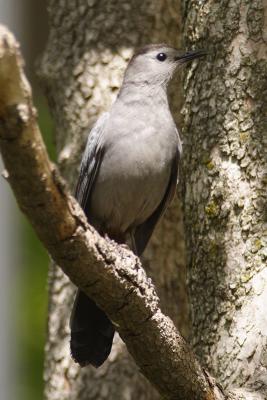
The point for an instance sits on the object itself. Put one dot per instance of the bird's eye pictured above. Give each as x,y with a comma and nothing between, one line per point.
161,56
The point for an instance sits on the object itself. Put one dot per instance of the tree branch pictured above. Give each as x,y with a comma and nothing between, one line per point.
107,272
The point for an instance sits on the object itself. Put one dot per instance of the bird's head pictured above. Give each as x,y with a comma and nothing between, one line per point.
155,64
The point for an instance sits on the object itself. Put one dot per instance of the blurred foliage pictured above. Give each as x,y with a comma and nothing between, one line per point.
32,292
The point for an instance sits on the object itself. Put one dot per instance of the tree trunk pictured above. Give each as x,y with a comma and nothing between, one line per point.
88,48
224,179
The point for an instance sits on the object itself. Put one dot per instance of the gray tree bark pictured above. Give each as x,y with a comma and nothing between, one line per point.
89,45
224,179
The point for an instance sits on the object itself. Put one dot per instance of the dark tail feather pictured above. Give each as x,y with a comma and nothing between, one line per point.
91,332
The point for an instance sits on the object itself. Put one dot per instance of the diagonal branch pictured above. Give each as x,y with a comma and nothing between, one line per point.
107,272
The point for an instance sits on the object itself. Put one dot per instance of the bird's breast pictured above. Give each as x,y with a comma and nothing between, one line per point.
133,177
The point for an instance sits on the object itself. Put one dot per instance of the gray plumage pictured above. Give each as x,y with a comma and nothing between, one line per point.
128,175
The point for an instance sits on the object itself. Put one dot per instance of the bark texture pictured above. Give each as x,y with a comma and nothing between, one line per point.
225,176
107,272
89,45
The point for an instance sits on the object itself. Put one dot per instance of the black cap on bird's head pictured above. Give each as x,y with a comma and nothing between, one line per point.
156,63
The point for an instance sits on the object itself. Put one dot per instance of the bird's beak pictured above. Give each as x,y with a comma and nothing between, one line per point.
190,55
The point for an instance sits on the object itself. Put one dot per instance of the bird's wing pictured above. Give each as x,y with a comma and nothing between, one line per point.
91,161
144,231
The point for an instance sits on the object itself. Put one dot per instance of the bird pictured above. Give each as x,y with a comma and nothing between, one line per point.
128,177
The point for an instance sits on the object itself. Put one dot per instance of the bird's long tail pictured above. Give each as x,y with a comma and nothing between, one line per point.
91,332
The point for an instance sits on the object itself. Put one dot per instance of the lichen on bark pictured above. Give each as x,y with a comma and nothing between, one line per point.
225,164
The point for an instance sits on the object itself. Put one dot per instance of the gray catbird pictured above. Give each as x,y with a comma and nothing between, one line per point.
128,177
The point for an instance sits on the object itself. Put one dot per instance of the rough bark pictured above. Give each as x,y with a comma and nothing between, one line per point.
225,166
109,273
89,45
